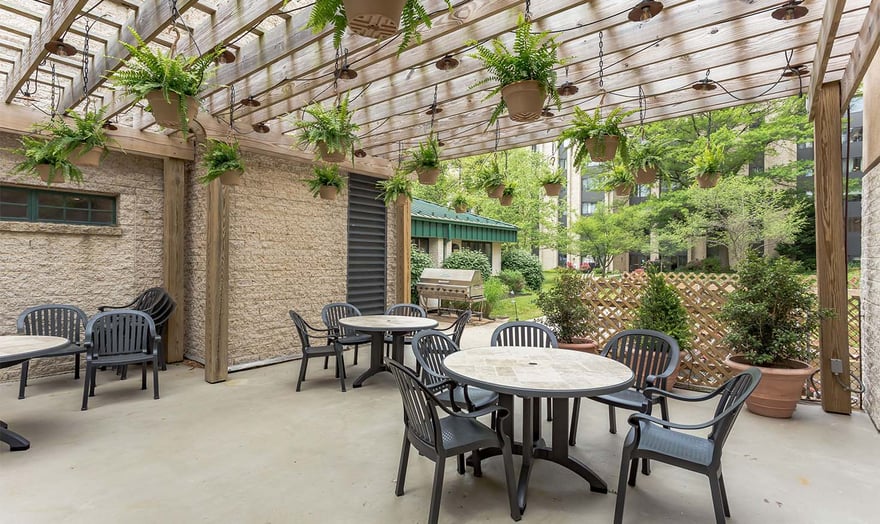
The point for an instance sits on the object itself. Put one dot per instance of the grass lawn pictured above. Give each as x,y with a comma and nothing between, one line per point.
525,307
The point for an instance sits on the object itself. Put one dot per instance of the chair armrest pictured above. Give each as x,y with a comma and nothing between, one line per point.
650,392
502,412
127,306
635,418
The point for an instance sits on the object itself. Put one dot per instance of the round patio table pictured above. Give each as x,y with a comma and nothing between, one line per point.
13,350
532,373
377,326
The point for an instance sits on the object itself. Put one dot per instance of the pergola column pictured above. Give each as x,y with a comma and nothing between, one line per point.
173,248
217,285
404,238
831,248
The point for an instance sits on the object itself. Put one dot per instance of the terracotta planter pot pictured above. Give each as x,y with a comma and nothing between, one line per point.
646,176
505,200
44,169
525,100
603,148
780,388
328,192
495,191
623,190
334,158
231,177
581,344
90,158
708,180
428,177
461,209
373,18
553,190
165,112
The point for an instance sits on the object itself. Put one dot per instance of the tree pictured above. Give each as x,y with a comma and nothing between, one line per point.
608,233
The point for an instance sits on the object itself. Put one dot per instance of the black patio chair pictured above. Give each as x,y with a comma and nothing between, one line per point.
52,320
155,302
121,338
455,330
330,315
528,334
306,332
440,438
653,356
656,439
406,310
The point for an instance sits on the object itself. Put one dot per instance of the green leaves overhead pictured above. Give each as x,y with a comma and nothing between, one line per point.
220,157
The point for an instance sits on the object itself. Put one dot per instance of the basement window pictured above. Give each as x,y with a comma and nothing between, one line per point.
61,207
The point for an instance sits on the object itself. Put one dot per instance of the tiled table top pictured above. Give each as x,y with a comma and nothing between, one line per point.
388,323
19,347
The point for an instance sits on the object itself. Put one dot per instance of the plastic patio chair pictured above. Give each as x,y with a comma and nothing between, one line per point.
440,438
656,439
456,329
330,315
54,320
306,332
155,302
406,310
528,334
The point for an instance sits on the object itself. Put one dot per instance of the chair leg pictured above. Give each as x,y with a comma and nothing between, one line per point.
22,382
612,420
401,468
549,411
717,498
302,371
155,380
633,471
76,367
723,494
621,488
94,382
340,367
86,385
326,362
437,491
461,469
356,346
143,376
575,413
646,467
664,410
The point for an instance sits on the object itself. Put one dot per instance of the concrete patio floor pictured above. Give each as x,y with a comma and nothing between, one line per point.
252,450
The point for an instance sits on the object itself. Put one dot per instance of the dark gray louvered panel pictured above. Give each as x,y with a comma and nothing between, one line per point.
367,230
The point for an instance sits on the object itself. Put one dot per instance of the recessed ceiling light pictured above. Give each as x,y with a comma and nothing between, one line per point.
60,48
644,11
790,11
446,63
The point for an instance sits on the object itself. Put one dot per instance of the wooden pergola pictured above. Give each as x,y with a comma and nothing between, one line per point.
735,44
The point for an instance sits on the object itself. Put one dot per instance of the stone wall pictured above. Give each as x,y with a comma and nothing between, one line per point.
86,266
870,291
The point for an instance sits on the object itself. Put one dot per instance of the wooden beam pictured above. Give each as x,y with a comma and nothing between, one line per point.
173,243
863,52
824,44
217,285
404,249
831,248
61,14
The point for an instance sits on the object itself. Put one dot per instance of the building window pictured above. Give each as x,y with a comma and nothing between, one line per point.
588,208
44,205
756,166
421,243
483,247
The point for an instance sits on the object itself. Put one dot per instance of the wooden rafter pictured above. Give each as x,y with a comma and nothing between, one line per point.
830,23
863,52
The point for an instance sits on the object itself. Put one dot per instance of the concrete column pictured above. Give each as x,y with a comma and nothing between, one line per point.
496,258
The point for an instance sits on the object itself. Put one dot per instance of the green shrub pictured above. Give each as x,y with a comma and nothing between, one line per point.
418,261
494,292
565,310
514,280
469,259
661,310
527,264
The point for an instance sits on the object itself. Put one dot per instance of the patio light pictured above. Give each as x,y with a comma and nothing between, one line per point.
644,11
447,63
360,153
567,89
791,11
546,113
250,102
110,126
226,57
434,109
795,70
705,85
261,127
60,47
346,73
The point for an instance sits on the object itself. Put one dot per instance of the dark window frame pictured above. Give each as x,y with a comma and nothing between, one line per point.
33,206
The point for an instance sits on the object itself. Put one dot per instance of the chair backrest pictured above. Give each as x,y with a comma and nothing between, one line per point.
157,303
301,329
53,320
530,334
407,310
120,332
419,406
734,393
431,347
331,313
457,327
644,351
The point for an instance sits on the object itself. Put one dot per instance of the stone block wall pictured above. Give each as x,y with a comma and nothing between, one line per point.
87,266
870,291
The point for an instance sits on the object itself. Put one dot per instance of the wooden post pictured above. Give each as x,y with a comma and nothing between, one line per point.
217,286
871,146
173,249
404,238
830,248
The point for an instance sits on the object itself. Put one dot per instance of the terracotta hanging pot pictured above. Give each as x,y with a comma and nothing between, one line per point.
165,112
44,171
524,100
780,388
373,18
495,191
506,200
708,180
623,190
461,208
552,190
646,176
328,192
90,158
334,157
231,177
602,148
428,177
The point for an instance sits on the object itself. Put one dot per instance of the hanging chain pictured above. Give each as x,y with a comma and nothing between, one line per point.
231,103
85,66
528,13
643,108
26,88
433,108
707,76
601,63
175,14
54,78
497,131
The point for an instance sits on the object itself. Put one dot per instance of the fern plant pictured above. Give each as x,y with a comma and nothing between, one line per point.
647,154
331,126
490,175
708,161
220,157
554,176
585,126
325,175
618,178
398,185
42,152
532,57
424,156
460,202
86,133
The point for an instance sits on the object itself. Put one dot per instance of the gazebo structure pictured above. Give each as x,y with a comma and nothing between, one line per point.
238,258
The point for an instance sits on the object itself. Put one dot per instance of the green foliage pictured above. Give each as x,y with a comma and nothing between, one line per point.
425,156
525,263
773,313
39,151
606,234
490,174
325,175
418,261
707,265
709,160
532,57
150,69
494,291
555,176
220,157
459,200
469,259
617,175
648,154
661,309
87,131
802,246
330,125
584,126
399,184
514,280
510,188
564,307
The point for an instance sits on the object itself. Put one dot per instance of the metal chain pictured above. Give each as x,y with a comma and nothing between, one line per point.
54,78
85,65
643,108
497,130
528,13
601,63
231,103
433,108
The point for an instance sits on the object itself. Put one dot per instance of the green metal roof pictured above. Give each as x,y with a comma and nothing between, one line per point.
430,220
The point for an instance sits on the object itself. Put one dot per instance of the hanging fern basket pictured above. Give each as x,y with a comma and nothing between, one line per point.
623,190
708,180
524,100
231,177
553,190
166,111
328,192
495,191
46,175
91,158
461,208
646,176
428,177
334,157
602,148
373,18
506,200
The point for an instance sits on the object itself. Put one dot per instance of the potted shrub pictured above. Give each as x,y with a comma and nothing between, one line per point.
524,74
396,189
326,182
566,312
222,160
771,318
491,179
553,182
46,158
618,178
330,131
460,203
706,166
425,160
508,194
645,157
596,138
168,83
85,142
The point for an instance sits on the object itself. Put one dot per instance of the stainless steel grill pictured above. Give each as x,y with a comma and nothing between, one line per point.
457,285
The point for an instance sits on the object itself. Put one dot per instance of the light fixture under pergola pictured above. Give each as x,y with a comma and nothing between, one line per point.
60,47
790,11
644,11
261,127
447,63
226,57
795,70
250,102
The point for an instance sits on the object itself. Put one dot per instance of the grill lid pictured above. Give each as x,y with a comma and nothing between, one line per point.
451,277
